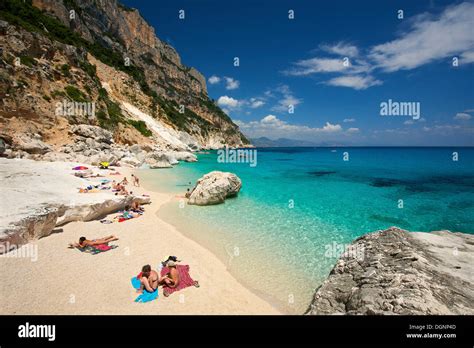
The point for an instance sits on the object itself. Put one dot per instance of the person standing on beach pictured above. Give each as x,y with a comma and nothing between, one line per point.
136,180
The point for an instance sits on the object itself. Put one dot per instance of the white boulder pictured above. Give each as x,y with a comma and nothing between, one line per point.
214,188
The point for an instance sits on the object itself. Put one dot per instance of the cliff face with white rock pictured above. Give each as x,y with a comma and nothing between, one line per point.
97,63
39,196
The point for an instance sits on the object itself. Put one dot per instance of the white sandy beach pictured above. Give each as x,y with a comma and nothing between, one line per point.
66,281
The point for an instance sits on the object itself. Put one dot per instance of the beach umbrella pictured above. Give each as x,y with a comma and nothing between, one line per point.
104,164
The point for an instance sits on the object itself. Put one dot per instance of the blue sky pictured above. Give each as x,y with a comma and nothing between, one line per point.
334,63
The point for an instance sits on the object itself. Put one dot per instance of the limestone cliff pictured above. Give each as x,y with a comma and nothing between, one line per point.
102,53
400,272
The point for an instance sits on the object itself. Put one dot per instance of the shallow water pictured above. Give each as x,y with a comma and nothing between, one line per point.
299,206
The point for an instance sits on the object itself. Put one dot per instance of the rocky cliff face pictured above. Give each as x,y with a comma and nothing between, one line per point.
102,54
400,272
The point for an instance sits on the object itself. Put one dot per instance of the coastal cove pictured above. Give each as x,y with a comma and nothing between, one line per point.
57,280
294,215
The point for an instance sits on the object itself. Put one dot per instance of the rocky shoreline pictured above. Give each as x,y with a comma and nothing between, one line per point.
92,145
399,272
43,196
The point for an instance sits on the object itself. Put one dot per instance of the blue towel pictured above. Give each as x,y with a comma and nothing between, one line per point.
145,296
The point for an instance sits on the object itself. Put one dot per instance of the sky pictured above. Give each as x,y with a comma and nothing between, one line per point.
339,72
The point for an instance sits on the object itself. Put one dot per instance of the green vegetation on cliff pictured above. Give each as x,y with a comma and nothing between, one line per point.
23,14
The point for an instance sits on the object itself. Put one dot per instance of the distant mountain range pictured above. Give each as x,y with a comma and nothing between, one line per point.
283,142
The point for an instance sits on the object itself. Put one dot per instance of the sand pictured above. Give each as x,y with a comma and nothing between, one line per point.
58,280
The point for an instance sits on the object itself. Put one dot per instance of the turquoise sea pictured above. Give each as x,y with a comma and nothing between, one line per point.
299,206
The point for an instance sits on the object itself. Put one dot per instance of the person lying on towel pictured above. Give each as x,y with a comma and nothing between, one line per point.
136,207
149,279
170,279
83,242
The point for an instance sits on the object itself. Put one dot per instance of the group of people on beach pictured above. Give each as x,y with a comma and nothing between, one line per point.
120,187
150,279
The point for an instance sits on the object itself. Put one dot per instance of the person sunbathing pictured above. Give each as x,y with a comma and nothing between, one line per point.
123,191
149,279
124,181
170,279
136,207
116,186
83,242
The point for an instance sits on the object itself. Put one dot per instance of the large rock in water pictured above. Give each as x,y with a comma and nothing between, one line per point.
214,188
400,272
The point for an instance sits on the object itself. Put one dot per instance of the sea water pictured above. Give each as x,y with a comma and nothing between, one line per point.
299,207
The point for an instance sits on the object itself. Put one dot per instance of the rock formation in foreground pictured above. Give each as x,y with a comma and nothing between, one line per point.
214,188
400,272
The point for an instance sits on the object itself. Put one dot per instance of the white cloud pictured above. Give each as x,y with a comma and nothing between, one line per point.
273,127
347,120
408,122
286,98
316,65
354,81
214,79
231,83
467,57
429,39
228,102
462,116
342,49
256,103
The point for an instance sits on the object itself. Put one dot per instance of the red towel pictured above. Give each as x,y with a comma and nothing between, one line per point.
102,247
185,279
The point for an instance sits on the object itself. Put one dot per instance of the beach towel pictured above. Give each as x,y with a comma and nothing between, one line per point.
97,249
80,168
127,216
185,279
145,296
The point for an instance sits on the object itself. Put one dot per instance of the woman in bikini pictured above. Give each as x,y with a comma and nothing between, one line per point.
83,242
